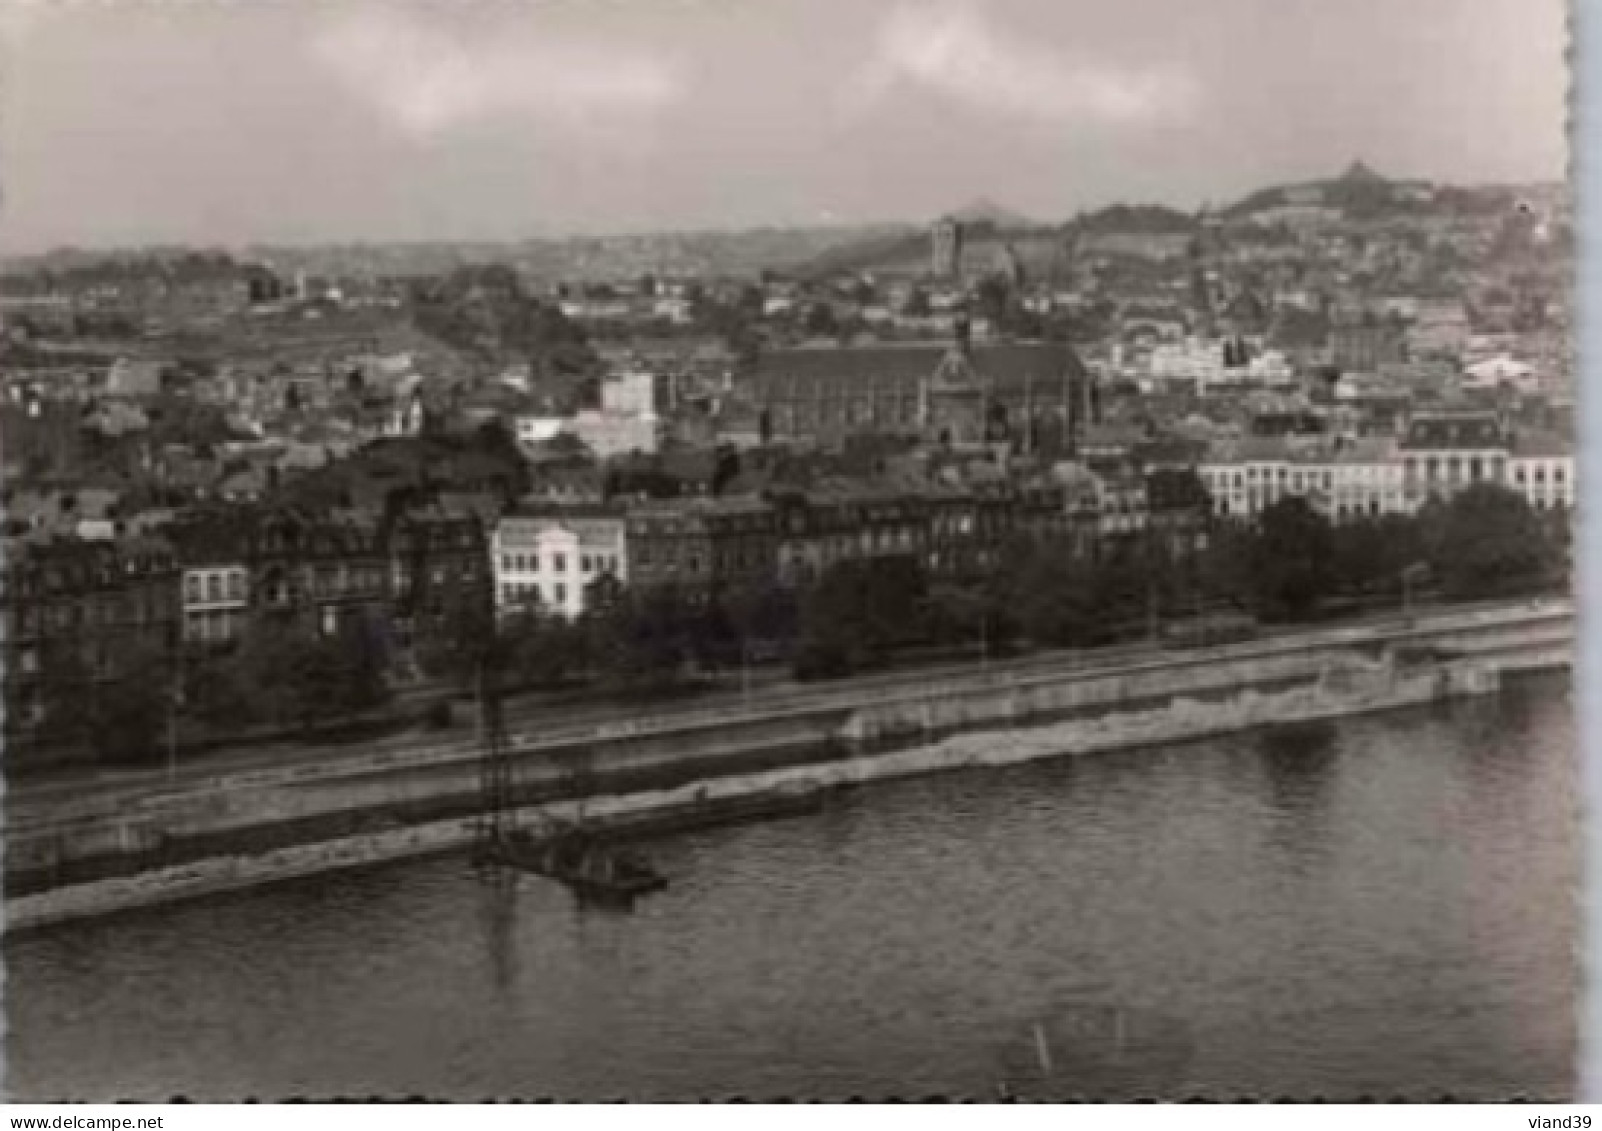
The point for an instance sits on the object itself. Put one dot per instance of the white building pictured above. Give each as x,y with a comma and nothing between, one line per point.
1540,467
1367,481
215,602
633,394
1200,362
1194,360
537,429
1354,479
1443,453
613,434
551,562
1495,372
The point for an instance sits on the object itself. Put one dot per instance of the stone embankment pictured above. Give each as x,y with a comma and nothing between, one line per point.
171,844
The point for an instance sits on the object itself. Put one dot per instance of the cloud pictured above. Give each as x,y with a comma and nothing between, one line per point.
20,18
425,81
957,53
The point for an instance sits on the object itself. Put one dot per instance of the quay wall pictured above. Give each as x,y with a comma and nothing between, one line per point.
184,828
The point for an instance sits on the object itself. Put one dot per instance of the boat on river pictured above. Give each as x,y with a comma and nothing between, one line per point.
585,864
568,853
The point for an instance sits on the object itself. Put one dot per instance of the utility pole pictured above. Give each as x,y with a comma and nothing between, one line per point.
172,735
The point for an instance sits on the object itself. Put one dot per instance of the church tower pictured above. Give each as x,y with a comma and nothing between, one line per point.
945,259
957,404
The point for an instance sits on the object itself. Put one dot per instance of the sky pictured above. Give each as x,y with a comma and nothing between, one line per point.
226,122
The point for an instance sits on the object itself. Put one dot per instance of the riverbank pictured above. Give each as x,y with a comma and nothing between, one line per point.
909,737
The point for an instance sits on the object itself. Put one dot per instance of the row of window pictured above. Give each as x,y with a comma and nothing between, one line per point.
1537,474
527,593
213,625
530,563
1353,509
214,586
31,618
1457,467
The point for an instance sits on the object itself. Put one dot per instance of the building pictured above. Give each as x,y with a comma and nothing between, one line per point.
820,528
215,601
76,616
945,238
1250,475
1540,467
557,560
315,569
823,394
133,377
436,566
1363,341
638,394
701,545
1440,328
1442,453
1501,371
1367,480
609,434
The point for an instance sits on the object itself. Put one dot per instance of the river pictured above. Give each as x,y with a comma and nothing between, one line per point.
1381,907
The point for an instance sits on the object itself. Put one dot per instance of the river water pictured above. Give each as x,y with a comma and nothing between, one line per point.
1382,907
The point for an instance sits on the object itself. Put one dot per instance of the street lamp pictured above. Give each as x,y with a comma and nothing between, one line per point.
175,700
1411,574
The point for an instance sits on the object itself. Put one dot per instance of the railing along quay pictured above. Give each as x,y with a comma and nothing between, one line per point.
406,754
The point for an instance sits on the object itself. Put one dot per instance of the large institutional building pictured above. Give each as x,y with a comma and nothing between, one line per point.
953,395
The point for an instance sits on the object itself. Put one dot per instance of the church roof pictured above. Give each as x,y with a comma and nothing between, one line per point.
1006,365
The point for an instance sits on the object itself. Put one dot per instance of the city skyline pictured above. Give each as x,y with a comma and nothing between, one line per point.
308,124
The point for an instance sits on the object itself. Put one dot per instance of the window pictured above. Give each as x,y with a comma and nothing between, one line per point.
506,563
1557,473
192,585
236,585
586,564
508,593
1540,473
559,563
561,593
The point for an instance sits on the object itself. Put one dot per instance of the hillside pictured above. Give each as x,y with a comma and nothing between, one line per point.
1142,219
1357,193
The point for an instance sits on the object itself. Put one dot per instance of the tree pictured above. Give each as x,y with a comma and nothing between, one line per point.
858,613
994,299
643,642
971,615
1292,559
821,322
544,650
1486,542
120,719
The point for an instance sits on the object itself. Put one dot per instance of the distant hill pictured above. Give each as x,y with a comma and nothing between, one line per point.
1358,192
1142,219
987,212
897,250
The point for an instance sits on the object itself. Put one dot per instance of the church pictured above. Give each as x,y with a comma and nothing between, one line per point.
958,394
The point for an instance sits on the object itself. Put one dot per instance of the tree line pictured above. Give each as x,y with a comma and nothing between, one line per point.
1290,565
